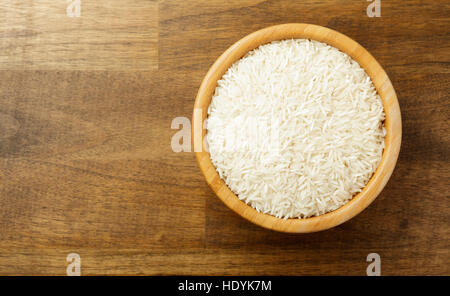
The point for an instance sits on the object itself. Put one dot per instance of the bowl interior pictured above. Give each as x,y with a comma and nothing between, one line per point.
392,125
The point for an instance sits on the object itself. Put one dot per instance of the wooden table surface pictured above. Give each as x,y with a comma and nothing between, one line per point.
86,164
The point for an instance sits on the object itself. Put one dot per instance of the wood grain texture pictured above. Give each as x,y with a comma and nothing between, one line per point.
108,35
86,164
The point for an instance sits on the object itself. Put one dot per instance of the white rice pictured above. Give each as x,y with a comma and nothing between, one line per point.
295,128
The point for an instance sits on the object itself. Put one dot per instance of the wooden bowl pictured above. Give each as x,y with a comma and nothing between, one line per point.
393,126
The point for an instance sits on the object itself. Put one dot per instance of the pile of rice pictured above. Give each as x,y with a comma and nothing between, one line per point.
295,128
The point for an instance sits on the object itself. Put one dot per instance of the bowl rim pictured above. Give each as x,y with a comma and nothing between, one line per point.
392,124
